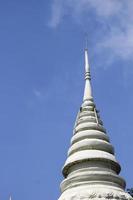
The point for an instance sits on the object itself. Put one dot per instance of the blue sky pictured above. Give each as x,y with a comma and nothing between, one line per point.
42,82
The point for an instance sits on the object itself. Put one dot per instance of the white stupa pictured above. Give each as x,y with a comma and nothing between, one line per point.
91,170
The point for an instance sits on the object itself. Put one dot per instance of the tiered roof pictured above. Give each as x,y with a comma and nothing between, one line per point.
91,169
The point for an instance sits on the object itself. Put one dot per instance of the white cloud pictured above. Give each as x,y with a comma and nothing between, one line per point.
105,8
115,14
119,42
60,8
57,13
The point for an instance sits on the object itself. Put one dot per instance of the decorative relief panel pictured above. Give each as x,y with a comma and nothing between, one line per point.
94,195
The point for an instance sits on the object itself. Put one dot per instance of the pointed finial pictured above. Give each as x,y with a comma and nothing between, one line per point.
87,91
10,198
87,67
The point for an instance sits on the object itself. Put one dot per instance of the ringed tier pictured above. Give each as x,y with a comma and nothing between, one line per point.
91,169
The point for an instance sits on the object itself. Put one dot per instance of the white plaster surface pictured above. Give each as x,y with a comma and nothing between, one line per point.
91,170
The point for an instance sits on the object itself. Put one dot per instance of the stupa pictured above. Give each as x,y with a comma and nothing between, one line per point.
91,170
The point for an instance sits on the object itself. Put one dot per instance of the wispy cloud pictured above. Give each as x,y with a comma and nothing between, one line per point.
115,14
61,8
37,93
57,13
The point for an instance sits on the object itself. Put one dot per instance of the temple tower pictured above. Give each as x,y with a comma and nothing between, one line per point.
91,170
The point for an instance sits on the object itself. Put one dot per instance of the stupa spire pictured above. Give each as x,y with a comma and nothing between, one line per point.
91,170
87,90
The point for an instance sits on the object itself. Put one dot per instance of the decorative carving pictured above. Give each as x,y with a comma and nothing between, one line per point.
123,197
99,196
93,195
109,196
116,197
96,195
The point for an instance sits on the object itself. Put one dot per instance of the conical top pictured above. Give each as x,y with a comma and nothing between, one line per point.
91,169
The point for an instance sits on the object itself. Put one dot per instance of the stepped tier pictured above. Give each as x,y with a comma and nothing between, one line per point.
91,170
91,158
